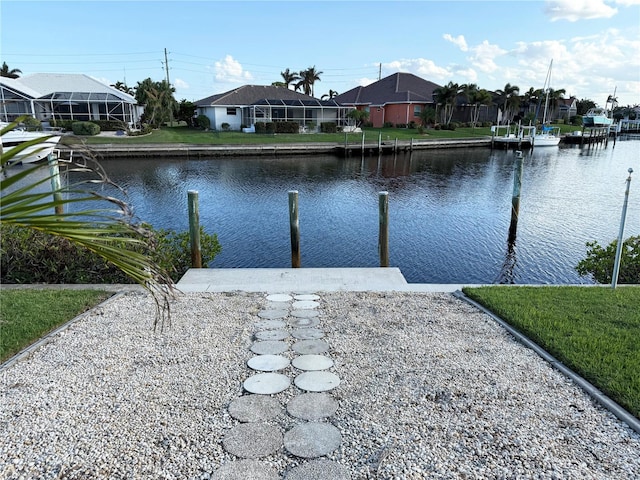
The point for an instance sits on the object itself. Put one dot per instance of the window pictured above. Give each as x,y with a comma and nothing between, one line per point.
417,109
231,111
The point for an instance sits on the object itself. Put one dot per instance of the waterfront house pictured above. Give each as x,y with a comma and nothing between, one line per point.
397,99
567,108
64,96
244,106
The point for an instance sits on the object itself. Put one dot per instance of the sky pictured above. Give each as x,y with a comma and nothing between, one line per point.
215,46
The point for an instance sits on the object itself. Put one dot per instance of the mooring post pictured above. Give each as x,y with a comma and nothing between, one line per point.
363,143
194,229
411,145
395,146
616,263
383,237
56,186
294,226
380,142
345,141
515,198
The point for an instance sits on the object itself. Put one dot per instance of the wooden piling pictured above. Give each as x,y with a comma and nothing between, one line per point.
194,229
294,227
383,237
515,198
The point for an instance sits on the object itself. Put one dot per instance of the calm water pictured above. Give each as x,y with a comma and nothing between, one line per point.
449,210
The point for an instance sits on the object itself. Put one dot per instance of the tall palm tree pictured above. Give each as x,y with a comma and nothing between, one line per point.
554,101
509,100
105,231
288,77
330,95
123,88
5,72
479,98
446,97
308,78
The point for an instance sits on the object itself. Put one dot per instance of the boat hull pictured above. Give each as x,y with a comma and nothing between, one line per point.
31,154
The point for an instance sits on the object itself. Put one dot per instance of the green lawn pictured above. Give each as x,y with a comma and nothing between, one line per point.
28,314
200,137
595,331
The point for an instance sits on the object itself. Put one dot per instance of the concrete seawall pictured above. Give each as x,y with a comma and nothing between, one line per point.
122,150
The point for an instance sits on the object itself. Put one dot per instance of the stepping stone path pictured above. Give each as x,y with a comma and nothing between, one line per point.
290,326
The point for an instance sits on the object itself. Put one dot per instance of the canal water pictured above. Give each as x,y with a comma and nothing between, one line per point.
449,210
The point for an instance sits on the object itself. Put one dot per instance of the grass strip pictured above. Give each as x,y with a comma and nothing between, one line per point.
592,330
26,315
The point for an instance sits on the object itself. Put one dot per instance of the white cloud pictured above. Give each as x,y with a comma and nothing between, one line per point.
363,82
419,66
459,41
181,84
574,10
484,56
231,71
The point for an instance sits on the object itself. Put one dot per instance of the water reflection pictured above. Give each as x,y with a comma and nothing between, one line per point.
449,210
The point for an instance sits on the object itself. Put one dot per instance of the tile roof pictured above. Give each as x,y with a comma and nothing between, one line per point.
252,94
397,88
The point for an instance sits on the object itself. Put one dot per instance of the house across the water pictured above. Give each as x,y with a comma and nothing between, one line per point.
63,96
245,106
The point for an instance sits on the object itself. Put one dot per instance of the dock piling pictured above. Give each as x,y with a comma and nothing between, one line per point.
294,227
383,238
194,229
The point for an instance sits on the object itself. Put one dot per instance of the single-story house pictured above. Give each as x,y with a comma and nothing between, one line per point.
242,107
567,108
64,96
397,99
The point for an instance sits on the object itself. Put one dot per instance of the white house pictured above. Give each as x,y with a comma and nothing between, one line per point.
246,105
65,96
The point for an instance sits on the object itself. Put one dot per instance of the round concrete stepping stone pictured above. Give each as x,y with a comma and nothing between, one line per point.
254,408
279,297
270,324
304,322
307,333
310,347
269,347
245,470
272,314
268,363
311,440
312,406
272,335
312,362
307,297
252,440
317,381
319,468
305,305
267,383
304,313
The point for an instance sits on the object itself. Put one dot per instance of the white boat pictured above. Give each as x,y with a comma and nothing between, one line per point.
548,136
31,154
596,117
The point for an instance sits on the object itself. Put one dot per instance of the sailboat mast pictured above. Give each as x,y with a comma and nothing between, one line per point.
547,84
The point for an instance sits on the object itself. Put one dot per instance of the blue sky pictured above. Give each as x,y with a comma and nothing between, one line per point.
214,46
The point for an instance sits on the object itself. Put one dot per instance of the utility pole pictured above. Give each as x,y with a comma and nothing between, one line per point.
166,67
379,71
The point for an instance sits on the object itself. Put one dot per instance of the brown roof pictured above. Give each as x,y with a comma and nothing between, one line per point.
396,88
250,94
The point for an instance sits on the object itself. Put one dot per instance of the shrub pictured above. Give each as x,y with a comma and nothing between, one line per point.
329,127
599,261
412,124
145,130
30,256
387,125
261,127
286,127
203,122
225,126
32,123
85,128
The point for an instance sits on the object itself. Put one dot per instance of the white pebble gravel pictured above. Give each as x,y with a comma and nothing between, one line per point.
429,388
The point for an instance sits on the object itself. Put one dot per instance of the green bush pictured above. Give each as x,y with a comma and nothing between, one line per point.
387,125
286,127
30,256
203,122
32,123
599,261
328,127
85,128
110,125
225,126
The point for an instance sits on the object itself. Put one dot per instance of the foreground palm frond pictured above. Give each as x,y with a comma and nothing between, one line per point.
107,230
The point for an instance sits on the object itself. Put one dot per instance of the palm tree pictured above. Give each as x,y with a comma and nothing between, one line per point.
105,231
509,100
330,95
446,96
478,99
289,77
307,79
158,100
5,72
554,101
123,88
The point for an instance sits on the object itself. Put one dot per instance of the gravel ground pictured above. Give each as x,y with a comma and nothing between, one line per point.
430,388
